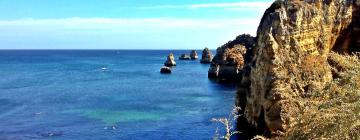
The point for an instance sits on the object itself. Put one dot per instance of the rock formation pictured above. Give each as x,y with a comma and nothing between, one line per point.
230,58
165,69
294,39
206,56
184,57
170,60
194,55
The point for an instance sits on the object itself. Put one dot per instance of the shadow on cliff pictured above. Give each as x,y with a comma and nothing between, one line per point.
349,40
247,130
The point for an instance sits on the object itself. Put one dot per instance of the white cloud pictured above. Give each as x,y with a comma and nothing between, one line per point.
238,4
254,4
129,24
154,33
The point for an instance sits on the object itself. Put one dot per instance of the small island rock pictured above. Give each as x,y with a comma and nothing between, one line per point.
194,55
184,57
170,61
165,69
206,56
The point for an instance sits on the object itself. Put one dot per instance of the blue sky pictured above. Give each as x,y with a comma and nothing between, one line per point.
126,24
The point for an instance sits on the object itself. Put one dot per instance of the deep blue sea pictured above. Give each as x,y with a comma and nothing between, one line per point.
107,94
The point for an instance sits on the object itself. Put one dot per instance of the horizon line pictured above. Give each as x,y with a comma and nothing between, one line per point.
96,49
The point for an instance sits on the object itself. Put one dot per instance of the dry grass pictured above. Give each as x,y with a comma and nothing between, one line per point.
310,67
259,138
228,125
332,113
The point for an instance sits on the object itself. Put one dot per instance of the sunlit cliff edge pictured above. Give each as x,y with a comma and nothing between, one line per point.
302,76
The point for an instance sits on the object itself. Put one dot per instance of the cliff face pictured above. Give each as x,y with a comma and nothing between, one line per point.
230,58
294,39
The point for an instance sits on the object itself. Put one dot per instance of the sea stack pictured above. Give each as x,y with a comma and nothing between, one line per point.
206,56
194,55
170,61
184,57
165,69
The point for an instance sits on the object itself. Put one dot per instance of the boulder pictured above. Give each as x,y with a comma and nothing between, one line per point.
184,57
194,55
170,60
206,56
165,69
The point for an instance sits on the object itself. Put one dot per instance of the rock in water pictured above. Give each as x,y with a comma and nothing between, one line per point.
294,39
230,59
165,69
184,57
170,61
206,56
194,55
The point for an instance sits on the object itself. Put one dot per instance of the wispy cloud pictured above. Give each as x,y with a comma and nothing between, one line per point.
130,24
154,33
254,4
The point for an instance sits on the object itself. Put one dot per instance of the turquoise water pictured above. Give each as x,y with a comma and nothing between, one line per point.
107,94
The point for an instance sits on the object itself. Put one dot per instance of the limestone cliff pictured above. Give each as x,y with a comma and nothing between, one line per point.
294,39
230,59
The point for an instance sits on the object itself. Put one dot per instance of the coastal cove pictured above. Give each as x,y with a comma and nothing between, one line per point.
297,77
108,94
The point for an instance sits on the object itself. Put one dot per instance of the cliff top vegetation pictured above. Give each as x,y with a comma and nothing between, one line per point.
334,112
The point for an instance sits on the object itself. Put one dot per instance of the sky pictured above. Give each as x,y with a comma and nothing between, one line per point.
126,24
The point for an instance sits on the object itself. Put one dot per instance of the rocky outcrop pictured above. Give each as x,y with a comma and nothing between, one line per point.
206,56
170,60
165,70
194,55
184,57
230,58
294,39
228,63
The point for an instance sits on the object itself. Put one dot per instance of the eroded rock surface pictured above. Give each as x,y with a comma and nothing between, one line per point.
230,58
294,39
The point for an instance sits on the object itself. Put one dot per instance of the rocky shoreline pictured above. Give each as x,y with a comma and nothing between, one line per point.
294,55
300,51
288,62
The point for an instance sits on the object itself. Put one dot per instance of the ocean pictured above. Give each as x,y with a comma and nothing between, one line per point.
107,94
